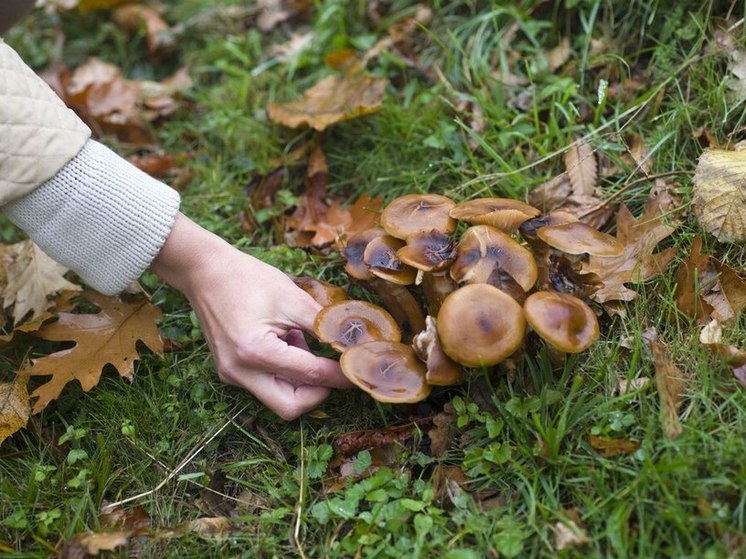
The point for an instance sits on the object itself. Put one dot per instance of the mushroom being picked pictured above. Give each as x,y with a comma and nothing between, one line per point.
578,238
504,213
388,371
381,257
414,213
354,250
441,369
562,320
479,325
324,293
348,323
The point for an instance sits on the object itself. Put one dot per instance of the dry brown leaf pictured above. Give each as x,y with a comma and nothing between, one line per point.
443,431
557,56
32,277
670,381
334,99
719,196
638,262
551,194
640,154
568,534
581,167
157,32
612,447
15,408
107,337
91,543
274,12
735,358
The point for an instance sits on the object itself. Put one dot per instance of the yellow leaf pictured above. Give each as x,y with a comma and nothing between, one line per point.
719,196
14,407
581,166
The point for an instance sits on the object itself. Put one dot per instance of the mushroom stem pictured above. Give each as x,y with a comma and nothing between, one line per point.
400,303
437,286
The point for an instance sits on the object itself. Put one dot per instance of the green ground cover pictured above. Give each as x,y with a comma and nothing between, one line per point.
522,442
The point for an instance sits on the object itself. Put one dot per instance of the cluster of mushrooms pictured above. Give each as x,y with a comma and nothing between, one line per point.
481,293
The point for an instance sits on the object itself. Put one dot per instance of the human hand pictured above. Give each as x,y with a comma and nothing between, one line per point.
252,316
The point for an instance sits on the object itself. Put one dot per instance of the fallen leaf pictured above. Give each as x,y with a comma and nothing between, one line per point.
612,447
91,543
551,194
157,32
581,167
334,99
443,431
155,165
719,194
638,262
107,337
355,441
670,381
274,12
32,277
568,534
557,56
625,386
15,408
712,336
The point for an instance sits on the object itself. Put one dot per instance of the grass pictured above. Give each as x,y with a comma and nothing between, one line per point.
522,442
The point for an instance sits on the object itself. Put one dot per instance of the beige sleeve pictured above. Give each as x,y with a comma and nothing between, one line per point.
38,133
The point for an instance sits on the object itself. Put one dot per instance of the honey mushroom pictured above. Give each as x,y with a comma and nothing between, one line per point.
562,320
441,369
347,323
505,214
324,293
431,253
414,213
578,238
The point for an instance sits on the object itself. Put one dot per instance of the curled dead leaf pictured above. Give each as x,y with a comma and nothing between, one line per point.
670,381
719,196
15,407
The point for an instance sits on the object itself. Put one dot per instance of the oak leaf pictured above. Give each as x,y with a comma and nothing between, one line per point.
719,195
581,167
638,262
107,337
712,336
670,381
15,408
32,277
334,99
157,32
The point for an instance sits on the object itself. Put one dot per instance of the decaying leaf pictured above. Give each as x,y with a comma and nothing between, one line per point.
638,262
107,337
612,447
719,196
15,408
443,431
273,12
32,277
557,56
670,381
92,543
735,358
157,31
334,99
581,167
568,534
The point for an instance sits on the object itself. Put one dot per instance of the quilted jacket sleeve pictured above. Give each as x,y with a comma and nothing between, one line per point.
38,133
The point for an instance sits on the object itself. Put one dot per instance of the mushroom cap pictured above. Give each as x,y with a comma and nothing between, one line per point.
388,371
441,369
324,293
482,248
558,217
504,213
348,323
353,253
562,320
578,238
428,251
380,256
413,213
479,325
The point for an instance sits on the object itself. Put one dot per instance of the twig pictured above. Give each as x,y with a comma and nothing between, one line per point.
189,457
299,505
627,186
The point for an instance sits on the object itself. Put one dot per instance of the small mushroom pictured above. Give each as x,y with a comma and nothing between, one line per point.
348,323
562,320
483,248
414,213
353,253
388,371
441,369
324,293
431,253
578,238
479,325
381,257
504,213
529,228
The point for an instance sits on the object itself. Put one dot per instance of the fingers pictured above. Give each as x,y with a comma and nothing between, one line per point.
296,338
283,398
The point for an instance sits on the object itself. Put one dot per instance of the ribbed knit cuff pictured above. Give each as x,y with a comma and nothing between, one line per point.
100,216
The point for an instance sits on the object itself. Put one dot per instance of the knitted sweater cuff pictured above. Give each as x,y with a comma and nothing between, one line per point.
100,216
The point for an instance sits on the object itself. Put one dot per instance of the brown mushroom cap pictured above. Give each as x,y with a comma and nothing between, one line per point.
479,325
388,371
578,238
380,256
558,217
428,251
324,293
562,320
353,253
413,213
504,213
441,369
482,248
348,323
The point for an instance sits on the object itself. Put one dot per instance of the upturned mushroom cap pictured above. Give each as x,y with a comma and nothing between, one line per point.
482,248
413,213
428,251
324,293
504,213
348,323
353,253
562,320
441,369
380,256
388,371
479,325
579,238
